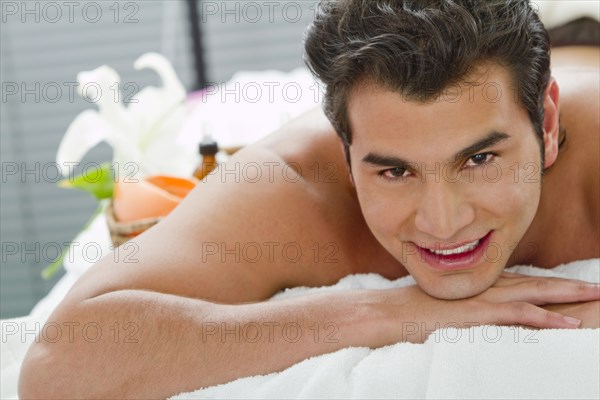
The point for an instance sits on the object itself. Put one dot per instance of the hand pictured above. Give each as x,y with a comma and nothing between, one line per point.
588,312
513,300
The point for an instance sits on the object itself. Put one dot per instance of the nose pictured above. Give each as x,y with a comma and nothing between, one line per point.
443,210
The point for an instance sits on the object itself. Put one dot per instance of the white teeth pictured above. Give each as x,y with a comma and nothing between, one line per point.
458,250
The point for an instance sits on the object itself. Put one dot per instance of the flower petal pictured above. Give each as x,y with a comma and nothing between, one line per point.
173,88
160,112
162,148
86,131
101,86
122,128
152,105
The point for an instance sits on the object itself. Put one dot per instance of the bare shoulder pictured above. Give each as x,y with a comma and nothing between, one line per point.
570,201
569,212
575,56
577,71
276,215
580,117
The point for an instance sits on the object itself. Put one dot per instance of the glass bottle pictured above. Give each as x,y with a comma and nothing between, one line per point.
208,149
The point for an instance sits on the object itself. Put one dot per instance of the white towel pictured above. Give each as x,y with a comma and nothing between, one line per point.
481,362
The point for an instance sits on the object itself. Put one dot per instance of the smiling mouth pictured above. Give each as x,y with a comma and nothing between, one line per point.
463,256
457,250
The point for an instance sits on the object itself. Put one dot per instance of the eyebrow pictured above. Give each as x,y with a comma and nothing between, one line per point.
488,140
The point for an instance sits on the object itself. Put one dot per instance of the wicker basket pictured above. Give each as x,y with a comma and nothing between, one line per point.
121,232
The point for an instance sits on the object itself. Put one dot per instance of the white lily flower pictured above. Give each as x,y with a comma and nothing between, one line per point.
142,133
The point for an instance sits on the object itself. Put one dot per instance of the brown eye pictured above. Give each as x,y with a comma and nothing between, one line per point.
479,159
394,173
397,172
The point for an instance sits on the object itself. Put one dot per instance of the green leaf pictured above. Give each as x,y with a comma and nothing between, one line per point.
98,181
53,268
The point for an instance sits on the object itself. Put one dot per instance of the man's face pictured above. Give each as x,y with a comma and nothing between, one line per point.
448,187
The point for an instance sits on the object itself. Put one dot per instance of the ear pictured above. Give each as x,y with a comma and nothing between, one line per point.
346,157
550,123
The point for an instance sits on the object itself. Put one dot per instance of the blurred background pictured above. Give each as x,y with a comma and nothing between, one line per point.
45,44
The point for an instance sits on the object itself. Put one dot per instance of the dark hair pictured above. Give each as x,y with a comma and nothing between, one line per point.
420,47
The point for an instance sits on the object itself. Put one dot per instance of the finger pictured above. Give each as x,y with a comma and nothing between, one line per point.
541,291
507,274
521,313
509,278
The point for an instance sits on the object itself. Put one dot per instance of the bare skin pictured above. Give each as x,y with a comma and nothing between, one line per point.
574,179
189,274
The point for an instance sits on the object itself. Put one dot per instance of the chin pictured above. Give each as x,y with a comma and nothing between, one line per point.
457,286
452,293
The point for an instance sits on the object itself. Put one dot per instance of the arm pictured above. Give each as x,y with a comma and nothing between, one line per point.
166,344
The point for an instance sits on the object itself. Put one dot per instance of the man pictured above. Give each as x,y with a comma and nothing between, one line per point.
448,168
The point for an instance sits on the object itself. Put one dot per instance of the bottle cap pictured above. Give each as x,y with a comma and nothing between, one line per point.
208,146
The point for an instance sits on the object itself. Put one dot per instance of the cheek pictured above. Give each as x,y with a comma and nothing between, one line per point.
377,211
384,211
509,193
